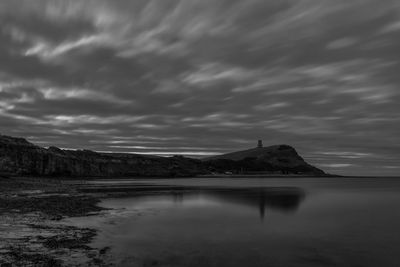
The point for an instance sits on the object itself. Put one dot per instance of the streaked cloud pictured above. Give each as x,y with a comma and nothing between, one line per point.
341,43
151,76
336,165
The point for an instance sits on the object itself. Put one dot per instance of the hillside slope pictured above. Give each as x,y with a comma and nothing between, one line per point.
274,159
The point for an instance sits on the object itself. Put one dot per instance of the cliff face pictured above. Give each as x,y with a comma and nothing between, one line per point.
282,159
19,157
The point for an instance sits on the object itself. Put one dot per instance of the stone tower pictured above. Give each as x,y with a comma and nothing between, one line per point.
260,144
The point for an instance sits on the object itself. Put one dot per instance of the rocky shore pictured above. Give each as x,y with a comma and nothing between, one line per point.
30,230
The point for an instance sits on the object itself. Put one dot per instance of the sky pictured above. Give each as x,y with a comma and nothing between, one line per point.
202,77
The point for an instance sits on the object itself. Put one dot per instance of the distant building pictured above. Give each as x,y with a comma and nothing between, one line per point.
260,144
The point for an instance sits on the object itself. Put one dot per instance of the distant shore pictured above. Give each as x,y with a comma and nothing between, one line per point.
264,176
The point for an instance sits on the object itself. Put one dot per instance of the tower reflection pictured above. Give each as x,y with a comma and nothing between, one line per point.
287,199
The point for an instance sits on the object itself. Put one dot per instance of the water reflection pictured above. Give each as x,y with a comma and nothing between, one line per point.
344,222
286,199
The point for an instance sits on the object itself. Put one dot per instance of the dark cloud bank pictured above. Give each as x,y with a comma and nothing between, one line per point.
200,77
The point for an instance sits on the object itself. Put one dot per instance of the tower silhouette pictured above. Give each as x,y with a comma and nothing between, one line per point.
260,144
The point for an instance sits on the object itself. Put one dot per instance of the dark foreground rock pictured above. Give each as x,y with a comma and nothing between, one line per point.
50,245
31,233
18,157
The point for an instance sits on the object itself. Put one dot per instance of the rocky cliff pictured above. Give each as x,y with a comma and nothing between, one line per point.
20,157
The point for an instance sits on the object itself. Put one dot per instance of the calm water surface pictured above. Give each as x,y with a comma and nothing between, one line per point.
254,222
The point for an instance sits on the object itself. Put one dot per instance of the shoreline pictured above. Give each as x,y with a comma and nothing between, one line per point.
30,230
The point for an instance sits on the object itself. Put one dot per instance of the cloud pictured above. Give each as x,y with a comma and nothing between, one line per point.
47,51
272,106
212,73
392,27
347,155
319,75
336,165
341,43
82,94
